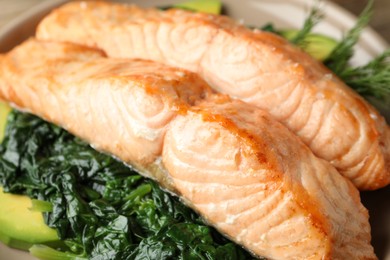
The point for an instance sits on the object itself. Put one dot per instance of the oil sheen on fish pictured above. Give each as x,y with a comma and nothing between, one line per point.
254,66
244,172
258,183
118,106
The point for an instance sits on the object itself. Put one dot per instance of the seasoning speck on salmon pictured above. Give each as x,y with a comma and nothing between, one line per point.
255,66
245,173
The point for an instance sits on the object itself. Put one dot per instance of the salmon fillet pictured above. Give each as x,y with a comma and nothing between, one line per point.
258,183
118,106
244,172
257,67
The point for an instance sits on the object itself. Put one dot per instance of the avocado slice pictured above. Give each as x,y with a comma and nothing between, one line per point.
20,227
205,6
4,111
317,45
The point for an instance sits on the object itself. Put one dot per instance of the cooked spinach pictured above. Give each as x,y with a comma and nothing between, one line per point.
101,208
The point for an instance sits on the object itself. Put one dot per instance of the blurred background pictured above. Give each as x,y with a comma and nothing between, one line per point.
380,21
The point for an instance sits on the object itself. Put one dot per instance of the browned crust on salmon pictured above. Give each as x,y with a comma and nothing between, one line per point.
257,67
244,172
284,166
57,86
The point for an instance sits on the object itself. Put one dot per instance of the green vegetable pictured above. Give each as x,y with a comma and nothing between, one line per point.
21,227
41,206
314,17
338,60
317,45
4,111
47,253
372,79
205,6
100,208
269,27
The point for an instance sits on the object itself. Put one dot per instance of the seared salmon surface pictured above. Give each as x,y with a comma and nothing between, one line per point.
255,66
118,106
244,172
258,183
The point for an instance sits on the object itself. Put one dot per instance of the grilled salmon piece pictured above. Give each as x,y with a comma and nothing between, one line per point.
258,183
246,174
257,67
119,106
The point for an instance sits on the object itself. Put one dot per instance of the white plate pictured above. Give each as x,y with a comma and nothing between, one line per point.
283,14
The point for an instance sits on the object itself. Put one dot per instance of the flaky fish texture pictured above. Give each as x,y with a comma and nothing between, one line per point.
118,106
257,67
259,184
244,172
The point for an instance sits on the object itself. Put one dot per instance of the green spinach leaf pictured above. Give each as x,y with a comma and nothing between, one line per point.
101,208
